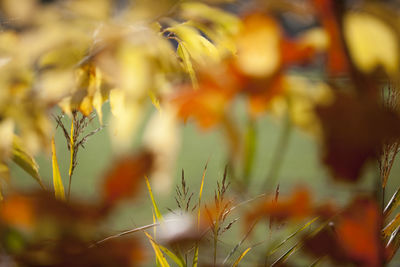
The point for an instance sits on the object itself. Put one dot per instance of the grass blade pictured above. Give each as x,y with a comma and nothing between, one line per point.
241,257
156,210
178,260
393,204
71,163
159,255
393,245
57,182
196,249
288,253
272,251
297,246
391,227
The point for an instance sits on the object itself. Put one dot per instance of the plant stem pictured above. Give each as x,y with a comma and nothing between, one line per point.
279,154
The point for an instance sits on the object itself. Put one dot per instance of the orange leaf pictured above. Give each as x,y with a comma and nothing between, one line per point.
297,206
18,211
123,179
358,232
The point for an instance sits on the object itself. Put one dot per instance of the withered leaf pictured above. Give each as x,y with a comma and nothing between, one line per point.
354,130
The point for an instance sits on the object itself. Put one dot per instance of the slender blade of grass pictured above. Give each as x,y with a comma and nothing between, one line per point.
393,245
156,210
241,257
391,227
393,204
196,249
178,260
272,251
57,182
71,161
159,255
297,246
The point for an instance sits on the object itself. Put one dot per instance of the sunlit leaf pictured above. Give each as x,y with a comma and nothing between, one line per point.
184,55
371,42
259,46
25,161
57,181
198,47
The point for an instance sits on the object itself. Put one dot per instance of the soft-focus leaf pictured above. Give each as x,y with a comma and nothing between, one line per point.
346,146
184,55
57,181
259,46
358,231
371,42
297,206
124,177
199,48
25,161
337,62
18,211
162,137
125,121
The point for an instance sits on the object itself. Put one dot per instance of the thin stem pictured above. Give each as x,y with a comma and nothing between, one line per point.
279,154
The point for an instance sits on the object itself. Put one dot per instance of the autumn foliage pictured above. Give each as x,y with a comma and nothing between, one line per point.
327,68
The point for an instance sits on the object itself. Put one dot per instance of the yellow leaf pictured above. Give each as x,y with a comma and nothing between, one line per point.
187,63
371,42
258,46
25,160
125,120
199,48
7,134
57,182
